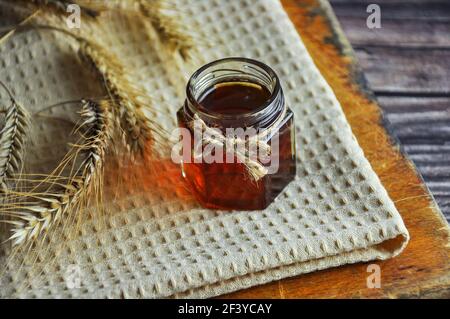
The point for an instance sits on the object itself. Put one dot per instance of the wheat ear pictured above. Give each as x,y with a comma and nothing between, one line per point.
38,212
133,103
12,139
61,6
166,20
164,17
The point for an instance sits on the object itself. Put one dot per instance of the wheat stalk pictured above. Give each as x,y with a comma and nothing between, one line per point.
133,103
37,212
163,15
61,6
168,23
12,139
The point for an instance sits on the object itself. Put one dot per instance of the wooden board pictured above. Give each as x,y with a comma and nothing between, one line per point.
407,65
423,269
420,24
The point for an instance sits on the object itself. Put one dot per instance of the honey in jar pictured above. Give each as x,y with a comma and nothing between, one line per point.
237,95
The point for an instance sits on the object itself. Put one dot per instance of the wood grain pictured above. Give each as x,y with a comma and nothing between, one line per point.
392,71
422,270
423,127
407,64
409,24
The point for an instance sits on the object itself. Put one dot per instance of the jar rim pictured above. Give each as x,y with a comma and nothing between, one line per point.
214,115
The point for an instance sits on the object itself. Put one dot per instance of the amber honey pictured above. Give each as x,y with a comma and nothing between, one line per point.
243,94
234,98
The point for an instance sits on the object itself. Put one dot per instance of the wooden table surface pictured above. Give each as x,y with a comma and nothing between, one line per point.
407,65
409,77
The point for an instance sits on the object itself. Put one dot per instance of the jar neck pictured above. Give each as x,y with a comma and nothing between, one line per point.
235,70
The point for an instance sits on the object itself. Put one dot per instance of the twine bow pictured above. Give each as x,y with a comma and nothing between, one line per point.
245,150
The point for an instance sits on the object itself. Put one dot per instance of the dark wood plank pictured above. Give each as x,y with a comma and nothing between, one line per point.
421,26
396,32
413,104
428,10
423,128
411,71
405,23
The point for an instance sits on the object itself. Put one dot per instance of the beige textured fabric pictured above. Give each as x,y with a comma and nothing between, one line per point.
162,244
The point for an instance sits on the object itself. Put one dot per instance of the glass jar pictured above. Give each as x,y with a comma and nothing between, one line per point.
237,105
